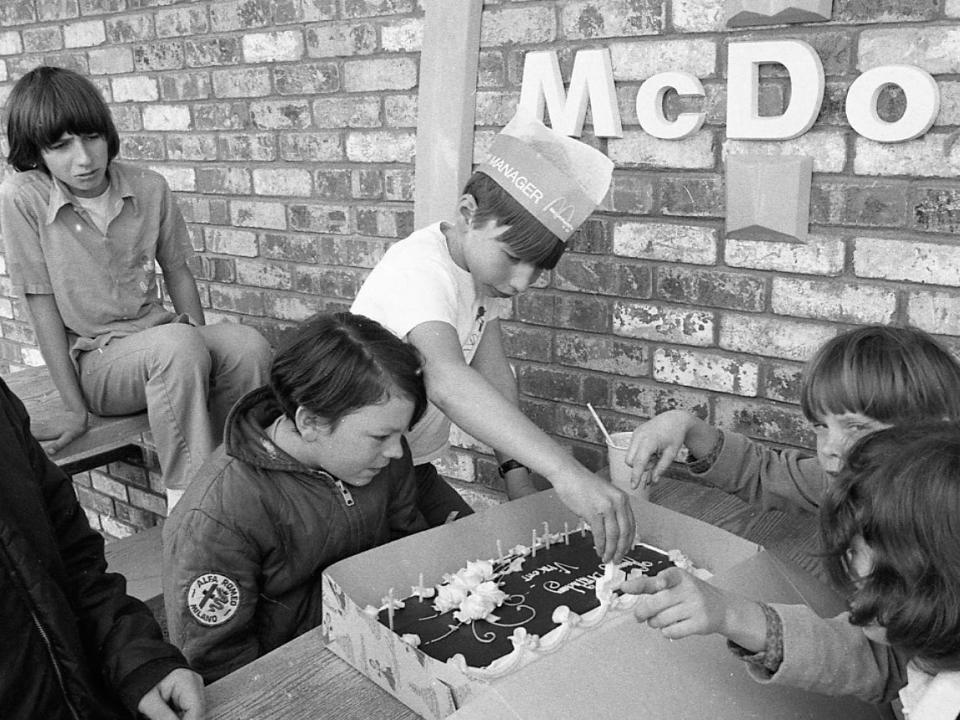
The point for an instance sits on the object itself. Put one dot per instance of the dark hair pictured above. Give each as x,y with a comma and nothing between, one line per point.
334,364
48,102
891,374
900,492
529,238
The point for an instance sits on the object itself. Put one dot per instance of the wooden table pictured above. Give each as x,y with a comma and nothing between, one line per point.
301,681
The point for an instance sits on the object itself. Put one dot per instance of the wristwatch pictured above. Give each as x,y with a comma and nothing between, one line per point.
509,465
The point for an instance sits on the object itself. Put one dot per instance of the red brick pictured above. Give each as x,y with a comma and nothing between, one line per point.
208,52
167,55
710,288
142,147
549,384
936,209
525,342
867,204
307,78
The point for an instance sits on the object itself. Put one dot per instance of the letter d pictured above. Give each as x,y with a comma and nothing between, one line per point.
743,88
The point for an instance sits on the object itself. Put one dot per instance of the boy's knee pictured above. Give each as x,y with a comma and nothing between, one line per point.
250,351
180,346
258,350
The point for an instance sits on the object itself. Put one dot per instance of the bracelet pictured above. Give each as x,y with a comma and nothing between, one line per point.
509,465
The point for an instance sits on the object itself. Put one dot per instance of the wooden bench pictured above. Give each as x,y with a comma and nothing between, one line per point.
106,439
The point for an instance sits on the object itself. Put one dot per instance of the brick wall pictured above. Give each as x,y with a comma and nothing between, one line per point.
287,130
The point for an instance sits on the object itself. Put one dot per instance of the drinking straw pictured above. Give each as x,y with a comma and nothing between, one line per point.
600,424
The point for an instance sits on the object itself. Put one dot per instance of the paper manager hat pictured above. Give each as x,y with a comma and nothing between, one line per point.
559,180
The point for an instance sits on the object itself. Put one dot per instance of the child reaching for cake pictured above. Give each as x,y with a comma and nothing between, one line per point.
313,468
444,289
891,537
859,381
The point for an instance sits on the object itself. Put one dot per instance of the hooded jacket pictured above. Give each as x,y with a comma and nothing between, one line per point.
73,644
245,547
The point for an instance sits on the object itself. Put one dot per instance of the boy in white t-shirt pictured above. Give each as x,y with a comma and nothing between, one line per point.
444,288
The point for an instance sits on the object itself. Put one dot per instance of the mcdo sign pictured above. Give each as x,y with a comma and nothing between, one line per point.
592,82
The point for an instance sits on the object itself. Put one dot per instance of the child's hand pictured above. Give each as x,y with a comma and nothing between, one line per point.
679,605
605,508
60,430
655,445
178,695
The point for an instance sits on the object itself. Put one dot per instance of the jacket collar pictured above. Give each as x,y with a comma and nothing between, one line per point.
246,435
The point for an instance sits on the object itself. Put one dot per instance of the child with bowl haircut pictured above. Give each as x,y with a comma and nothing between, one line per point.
891,538
444,289
860,381
313,468
83,233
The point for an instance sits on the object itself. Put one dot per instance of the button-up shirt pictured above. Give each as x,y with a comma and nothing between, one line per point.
104,284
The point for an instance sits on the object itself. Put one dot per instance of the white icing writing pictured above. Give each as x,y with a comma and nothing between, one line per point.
550,567
581,585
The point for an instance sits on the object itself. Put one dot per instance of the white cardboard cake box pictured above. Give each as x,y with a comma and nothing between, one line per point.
621,669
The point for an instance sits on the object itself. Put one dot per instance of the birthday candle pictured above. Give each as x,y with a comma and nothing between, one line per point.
533,543
546,535
583,528
499,550
566,533
390,609
420,589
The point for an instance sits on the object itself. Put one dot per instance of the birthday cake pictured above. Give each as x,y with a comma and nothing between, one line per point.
494,616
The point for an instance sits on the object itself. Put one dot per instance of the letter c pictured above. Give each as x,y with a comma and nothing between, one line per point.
650,105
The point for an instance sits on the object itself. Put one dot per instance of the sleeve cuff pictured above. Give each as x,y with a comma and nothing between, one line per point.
769,659
700,465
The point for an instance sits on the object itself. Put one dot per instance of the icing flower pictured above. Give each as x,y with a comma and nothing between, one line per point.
450,596
474,607
480,603
480,569
490,592
476,572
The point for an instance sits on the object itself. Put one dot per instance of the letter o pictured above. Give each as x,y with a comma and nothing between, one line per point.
923,103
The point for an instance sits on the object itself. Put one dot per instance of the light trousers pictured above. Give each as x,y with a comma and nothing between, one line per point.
186,377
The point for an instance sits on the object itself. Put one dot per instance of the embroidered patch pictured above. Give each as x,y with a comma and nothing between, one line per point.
213,599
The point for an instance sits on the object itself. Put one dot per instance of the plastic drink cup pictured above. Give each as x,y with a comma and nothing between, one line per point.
619,470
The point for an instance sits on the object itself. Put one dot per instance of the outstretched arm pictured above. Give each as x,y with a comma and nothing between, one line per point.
655,443
52,339
825,655
491,362
470,401
679,604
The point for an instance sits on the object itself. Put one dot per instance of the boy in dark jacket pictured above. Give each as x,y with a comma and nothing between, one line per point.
73,644
313,469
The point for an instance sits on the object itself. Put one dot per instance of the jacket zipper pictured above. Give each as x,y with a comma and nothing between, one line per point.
53,661
347,497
